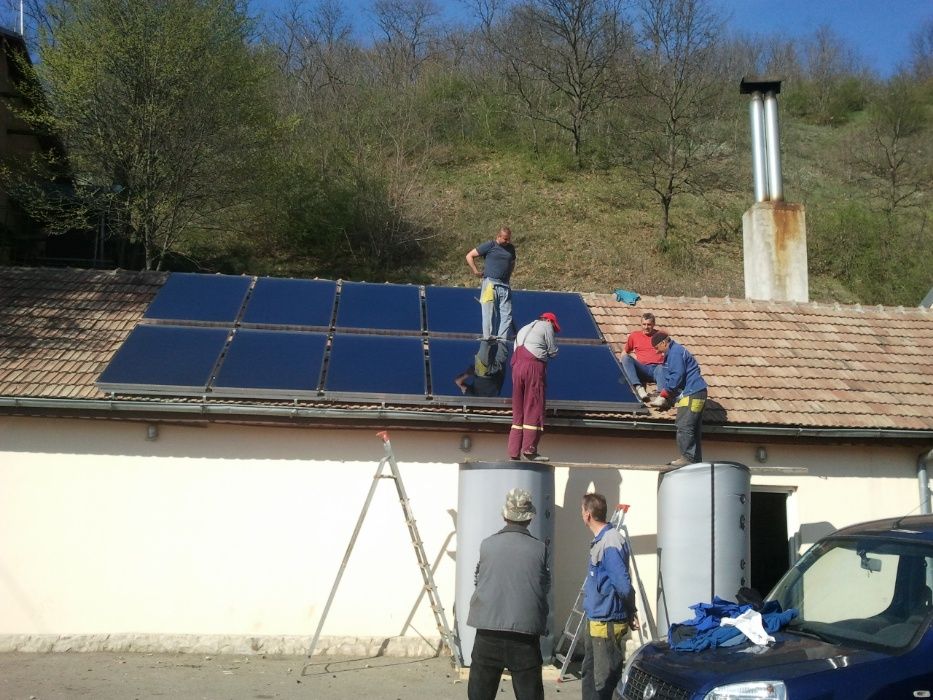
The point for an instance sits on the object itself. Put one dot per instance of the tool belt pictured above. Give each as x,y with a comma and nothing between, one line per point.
599,629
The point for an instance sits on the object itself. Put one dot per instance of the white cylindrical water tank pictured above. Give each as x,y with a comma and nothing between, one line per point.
703,542
482,490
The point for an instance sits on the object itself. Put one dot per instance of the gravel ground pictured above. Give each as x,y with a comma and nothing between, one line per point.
103,676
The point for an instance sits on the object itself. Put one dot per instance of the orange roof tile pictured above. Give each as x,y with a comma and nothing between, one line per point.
792,364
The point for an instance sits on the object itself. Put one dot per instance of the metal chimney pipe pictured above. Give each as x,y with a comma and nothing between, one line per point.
773,148
759,151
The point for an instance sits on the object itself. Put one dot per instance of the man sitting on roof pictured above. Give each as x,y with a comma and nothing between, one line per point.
646,364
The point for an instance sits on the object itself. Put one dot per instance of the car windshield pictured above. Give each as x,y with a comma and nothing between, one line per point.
864,592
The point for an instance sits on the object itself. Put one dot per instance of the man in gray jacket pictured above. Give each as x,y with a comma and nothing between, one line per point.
509,606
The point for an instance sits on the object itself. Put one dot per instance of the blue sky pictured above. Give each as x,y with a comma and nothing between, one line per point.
879,30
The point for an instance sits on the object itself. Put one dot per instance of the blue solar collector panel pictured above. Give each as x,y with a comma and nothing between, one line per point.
376,365
450,357
291,302
164,359
389,307
453,310
273,361
190,297
574,315
587,374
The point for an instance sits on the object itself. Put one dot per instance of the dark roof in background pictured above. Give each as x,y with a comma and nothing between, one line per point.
778,364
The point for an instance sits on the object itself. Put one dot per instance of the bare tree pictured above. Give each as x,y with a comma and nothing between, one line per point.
408,28
893,152
670,136
314,50
560,57
921,51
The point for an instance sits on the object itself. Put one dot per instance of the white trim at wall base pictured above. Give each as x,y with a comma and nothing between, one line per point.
362,647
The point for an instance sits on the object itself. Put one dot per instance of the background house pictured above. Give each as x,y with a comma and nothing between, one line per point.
196,523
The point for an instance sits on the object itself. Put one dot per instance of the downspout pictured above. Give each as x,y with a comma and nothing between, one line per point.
924,481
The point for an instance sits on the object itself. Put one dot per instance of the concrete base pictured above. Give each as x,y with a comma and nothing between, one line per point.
775,242
363,647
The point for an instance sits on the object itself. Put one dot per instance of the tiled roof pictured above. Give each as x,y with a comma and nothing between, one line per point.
792,364
59,328
767,363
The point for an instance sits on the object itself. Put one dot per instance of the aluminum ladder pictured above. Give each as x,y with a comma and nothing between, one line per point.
423,564
574,625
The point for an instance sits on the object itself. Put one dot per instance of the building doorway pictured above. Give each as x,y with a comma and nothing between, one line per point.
770,538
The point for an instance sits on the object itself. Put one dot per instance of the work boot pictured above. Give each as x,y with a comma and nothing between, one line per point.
682,462
641,393
535,457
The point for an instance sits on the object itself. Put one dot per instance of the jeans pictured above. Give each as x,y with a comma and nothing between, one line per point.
639,373
495,298
689,424
603,663
495,651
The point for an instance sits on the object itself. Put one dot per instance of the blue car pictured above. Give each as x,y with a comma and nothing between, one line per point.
864,629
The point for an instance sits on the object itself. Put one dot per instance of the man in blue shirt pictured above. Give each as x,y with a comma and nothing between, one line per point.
682,378
495,294
608,602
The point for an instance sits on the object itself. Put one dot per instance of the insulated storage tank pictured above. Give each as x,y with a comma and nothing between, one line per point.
703,543
482,490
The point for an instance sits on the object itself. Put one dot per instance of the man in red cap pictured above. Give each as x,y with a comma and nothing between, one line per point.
534,346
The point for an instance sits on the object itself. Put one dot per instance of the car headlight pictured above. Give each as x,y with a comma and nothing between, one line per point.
755,690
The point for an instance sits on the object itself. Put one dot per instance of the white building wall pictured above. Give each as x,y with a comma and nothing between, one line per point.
222,537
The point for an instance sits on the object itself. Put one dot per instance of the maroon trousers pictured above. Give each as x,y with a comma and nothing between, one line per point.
529,380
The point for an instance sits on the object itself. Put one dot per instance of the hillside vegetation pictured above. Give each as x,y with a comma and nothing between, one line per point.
610,135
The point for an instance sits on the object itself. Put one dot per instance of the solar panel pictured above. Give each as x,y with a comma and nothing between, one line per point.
574,316
453,310
273,361
200,298
587,374
164,359
391,307
449,358
376,365
290,302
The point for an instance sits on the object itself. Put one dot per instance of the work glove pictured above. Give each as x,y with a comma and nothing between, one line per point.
658,402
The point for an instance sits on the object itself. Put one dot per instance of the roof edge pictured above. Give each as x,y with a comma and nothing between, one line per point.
146,410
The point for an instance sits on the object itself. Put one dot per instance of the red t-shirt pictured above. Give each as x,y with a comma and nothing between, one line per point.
644,350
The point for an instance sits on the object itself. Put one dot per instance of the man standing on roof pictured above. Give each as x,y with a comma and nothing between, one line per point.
608,601
534,346
509,607
495,294
647,362
682,378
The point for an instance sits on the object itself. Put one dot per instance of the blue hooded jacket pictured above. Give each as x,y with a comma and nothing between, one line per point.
608,593
681,372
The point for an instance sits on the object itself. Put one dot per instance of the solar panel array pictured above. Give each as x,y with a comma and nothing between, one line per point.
272,338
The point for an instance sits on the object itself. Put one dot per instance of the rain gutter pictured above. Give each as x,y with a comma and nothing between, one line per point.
209,410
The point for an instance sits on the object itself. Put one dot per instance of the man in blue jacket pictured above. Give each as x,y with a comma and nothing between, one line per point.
608,602
682,379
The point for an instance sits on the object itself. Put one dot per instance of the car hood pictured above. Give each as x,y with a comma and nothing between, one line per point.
790,656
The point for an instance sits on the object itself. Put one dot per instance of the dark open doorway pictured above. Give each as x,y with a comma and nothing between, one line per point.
770,553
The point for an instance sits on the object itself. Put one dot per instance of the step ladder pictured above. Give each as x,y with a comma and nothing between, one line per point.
430,588
573,628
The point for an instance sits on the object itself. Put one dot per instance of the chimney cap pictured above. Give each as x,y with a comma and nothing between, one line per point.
751,84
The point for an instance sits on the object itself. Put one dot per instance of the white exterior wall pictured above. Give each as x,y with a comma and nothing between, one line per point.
224,537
